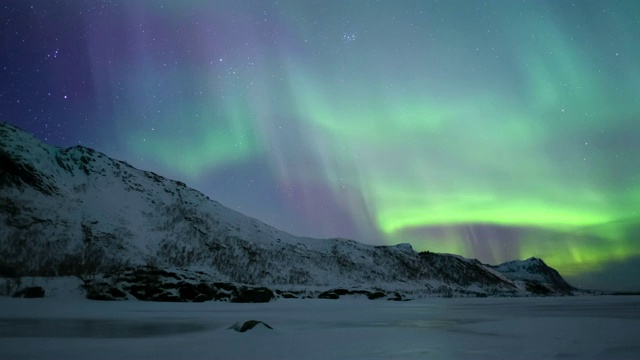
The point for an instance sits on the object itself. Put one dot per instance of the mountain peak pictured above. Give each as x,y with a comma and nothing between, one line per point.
534,270
535,260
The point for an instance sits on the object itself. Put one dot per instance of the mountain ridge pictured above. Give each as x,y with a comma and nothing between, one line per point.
60,206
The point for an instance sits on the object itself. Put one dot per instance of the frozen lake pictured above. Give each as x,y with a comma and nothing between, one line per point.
564,328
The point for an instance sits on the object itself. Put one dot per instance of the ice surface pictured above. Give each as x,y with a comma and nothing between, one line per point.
484,328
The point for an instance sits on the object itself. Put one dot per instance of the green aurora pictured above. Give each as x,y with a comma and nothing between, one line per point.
494,130
505,121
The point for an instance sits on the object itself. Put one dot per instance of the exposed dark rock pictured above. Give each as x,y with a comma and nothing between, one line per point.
222,296
225,286
188,292
153,284
253,295
8,271
360,292
537,288
336,293
396,297
196,293
145,292
107,293
117,293
154,272
206,290
289,294
30,292
167,297
376,295
248,325
17,173
340,292
201,298
328,295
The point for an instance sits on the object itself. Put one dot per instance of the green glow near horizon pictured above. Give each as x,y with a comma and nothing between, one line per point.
496,169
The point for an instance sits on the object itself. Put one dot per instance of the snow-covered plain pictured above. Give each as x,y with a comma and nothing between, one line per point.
603,327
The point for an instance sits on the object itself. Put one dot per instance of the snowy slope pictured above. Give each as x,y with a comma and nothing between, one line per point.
533,271
59,206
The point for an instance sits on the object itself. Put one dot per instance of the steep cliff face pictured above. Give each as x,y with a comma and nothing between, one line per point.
61,207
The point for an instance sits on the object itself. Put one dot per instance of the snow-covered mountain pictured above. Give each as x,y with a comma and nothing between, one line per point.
532,272
64,207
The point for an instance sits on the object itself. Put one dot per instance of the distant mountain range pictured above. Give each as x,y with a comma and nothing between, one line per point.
77,211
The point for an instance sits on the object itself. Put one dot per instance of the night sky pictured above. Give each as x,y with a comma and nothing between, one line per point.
497,130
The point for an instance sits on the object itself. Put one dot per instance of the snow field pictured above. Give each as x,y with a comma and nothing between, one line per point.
488,328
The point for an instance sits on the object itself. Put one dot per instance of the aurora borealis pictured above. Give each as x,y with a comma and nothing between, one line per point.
497,130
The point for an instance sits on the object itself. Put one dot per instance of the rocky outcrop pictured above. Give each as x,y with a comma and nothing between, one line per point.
248,325
30,292
335,294
153,284
246,294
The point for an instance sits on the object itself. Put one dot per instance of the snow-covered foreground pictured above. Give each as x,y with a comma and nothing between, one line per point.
503,328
